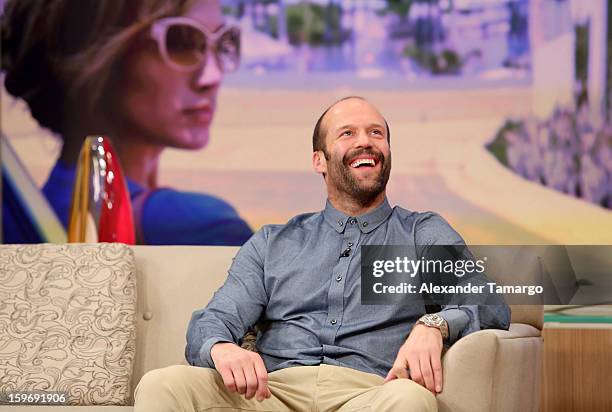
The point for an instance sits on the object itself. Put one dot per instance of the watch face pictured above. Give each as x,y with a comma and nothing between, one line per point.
435,320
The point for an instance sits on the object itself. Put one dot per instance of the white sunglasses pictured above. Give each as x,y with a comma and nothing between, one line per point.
184,44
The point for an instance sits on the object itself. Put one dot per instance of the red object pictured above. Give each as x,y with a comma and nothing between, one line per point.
116,219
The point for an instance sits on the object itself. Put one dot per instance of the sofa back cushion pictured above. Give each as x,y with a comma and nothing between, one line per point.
515,265
173,281
67,321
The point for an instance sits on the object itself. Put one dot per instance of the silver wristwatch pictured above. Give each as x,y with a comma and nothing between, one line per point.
435,321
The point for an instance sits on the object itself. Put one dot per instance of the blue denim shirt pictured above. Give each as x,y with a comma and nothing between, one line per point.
293,278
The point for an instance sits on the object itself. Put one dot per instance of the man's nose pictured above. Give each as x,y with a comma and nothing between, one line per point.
209,74
363,139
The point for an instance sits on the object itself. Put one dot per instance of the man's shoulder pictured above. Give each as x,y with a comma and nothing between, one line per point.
432,228
300,222
416,217
427,226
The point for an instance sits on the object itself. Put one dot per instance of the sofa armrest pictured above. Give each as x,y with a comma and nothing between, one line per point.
493,370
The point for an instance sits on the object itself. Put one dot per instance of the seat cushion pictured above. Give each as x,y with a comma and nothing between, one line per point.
67,321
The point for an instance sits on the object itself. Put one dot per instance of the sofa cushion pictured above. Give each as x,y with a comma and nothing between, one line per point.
67,320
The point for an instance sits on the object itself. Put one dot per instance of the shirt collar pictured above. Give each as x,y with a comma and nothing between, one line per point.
367,222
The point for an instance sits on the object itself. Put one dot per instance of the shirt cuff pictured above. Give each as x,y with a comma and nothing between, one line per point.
205,357
457,320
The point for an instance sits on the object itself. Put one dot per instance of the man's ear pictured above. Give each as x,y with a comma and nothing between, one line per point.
319,163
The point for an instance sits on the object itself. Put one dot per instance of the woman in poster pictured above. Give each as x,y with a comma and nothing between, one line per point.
145,73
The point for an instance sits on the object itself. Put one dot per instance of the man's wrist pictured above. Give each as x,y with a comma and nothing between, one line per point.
205,350
220,345
436,321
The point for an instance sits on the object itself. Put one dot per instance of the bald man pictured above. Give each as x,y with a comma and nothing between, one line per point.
322,349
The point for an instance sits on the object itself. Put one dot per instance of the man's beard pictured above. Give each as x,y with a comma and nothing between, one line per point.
340,176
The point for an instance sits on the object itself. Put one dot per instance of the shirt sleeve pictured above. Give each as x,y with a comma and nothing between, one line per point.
463,314
235,307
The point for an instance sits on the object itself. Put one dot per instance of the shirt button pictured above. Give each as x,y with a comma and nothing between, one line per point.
350,244
338,278
365,224
340,223
333,321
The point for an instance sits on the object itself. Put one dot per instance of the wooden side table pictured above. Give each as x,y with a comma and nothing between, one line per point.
577,370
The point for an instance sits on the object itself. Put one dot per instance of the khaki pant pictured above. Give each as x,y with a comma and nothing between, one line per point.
300,388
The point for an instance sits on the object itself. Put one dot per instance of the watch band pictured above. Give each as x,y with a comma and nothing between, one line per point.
435,321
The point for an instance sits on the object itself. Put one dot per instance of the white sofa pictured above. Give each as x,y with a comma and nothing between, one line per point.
491,370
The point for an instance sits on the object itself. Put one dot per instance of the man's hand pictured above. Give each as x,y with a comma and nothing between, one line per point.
419,358
242,371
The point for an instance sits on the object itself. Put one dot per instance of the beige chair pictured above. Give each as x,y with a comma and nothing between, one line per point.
490,370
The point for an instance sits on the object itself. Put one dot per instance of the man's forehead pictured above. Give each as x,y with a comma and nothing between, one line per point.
354,109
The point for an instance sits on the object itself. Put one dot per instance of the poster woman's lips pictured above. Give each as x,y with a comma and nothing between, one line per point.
201,113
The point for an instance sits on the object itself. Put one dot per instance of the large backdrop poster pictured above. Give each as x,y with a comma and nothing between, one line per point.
498,109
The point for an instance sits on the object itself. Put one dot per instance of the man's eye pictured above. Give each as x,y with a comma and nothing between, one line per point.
376,131
346,133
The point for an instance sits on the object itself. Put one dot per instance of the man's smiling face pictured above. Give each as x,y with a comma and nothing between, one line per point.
357,157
